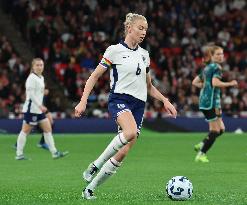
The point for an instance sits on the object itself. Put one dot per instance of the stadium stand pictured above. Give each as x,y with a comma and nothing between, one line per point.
72,35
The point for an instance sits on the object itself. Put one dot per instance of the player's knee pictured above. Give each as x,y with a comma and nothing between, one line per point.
221,132
130,134
26,129
213,134
25,132
47,129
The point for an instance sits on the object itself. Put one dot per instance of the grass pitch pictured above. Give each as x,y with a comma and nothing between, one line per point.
142,178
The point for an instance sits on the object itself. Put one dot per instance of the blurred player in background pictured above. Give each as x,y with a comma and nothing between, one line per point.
130,84
34,111
209,102
42,143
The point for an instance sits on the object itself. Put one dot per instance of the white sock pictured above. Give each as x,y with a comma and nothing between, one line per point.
50,142
109,168
118,142
21,141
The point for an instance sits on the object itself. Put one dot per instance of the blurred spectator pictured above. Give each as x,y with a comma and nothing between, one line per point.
81,30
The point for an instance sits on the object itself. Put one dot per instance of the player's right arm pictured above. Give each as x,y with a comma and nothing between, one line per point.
197,82
80,108
105,63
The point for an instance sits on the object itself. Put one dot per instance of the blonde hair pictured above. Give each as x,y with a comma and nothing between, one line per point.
129,20
33,62
209,52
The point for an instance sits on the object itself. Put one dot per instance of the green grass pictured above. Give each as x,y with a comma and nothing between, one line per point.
141,180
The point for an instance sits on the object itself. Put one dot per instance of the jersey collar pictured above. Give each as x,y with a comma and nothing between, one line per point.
36,75
125,45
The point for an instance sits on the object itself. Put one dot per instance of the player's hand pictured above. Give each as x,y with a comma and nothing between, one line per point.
46,92
233,83
80,108
43,108
170,109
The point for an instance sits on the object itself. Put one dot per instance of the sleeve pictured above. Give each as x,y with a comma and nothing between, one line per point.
108,58
147,69
30,89
217,72
200,75
147,61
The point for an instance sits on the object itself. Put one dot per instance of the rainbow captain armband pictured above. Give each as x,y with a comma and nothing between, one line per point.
105,63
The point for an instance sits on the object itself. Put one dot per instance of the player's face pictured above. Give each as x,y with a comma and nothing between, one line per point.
138,30
38,67
218,56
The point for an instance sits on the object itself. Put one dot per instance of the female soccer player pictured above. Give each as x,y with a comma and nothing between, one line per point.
209,102
130,83
42,143
34,112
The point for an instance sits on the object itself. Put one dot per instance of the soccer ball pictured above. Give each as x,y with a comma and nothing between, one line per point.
179,188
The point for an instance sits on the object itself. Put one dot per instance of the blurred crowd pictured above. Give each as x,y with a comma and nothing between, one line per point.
71,36
13,73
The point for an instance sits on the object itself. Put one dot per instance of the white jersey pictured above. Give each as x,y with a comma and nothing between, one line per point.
129,68
35,87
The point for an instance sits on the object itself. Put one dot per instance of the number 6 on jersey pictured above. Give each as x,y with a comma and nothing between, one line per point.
138,71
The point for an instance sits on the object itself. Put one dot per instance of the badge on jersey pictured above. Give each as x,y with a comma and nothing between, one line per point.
34,118
144,59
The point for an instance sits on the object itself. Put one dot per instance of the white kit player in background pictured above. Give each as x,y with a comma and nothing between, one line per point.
130,84
34,112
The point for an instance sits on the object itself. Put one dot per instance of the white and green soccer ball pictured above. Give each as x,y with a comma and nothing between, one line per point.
179,188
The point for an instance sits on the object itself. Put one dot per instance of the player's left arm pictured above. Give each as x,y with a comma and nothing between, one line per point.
217,82
153,91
